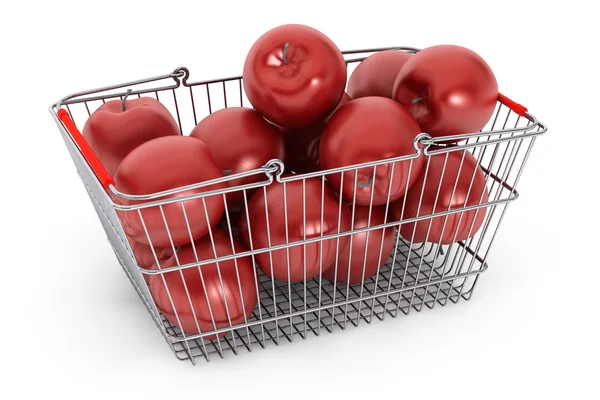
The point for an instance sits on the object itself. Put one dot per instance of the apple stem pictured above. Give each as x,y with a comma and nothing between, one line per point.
227,172
125,98
416,100
285,50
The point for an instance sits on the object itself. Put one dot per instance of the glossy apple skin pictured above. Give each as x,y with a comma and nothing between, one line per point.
113,133
146,258
240,140
302,144
167,163
295,222
471,176
376,74
207,296
303,91
457,87
379,242
370,129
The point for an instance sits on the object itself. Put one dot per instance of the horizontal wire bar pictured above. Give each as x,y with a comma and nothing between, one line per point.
324,237
328,306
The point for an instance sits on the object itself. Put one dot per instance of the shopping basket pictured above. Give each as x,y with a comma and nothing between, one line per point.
415,276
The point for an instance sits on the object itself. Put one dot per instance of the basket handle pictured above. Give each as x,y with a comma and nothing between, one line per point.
104,177
513,105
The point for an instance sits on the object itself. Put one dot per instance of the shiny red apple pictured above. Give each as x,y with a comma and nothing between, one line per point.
119,126
448,89
294,76
302,144
376,74
370,249
294,211
240,140
222,294
371,129
456,181
169,163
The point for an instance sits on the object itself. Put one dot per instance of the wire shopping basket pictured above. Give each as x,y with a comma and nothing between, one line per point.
257,309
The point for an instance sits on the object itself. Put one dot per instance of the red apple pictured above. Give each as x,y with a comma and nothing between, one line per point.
448,89
302,144
294,76
454,180
240,140
371,129
162,164
370,250
376,74
119,126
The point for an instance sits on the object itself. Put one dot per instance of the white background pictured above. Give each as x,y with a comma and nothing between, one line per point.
71,325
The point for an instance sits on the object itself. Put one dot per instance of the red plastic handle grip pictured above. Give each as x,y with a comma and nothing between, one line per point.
103,176
516,107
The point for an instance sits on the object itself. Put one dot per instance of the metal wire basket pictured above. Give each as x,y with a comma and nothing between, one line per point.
415,274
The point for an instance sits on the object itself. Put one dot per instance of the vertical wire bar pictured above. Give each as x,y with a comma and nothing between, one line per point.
418,275
444,271
498,194
187,292
393,265
527,153
87,108
208,98
193,106
185,343
350,245
488,222
321,254
271,266
460,254
237,272
214,248
224,94
304,248
193,245
155,94
71,114
256,279
202,281
287,253
241,96
412,240
177,111
164,283
337,250
367,234
385,217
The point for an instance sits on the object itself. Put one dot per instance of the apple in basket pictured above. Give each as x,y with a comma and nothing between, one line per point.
376,74
168,163
302,144
294,76
212,296
448,89
119,126
371,129
291,212
368,251
453,180
240,140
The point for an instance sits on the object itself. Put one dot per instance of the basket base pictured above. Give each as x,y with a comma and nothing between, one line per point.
428,277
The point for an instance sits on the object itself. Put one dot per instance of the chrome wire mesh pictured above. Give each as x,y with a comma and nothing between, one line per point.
415,276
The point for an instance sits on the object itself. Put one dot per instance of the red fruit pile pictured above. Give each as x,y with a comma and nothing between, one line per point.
305,115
